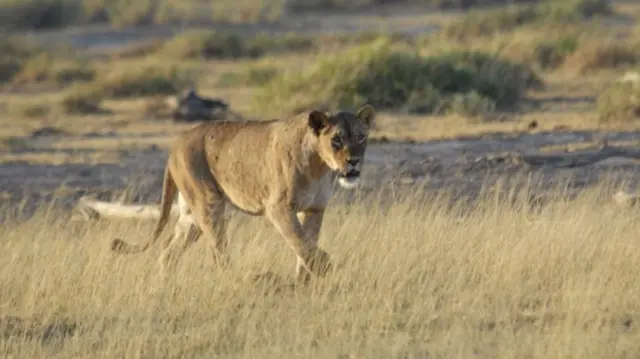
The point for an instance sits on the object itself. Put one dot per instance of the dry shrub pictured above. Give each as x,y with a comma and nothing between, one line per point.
32,110
45,67
323,5
82,99
158,107
488,22
255,75
413,279
141,49
14,52
8,69
142,80
400,80
220,45
620,101
40,14
581,49
552,54
603,54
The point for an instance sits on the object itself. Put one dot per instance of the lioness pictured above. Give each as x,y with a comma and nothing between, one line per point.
283,170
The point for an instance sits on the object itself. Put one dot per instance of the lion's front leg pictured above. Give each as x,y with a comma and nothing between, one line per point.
310,257
311,222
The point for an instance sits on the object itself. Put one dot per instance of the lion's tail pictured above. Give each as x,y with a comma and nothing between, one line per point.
169,190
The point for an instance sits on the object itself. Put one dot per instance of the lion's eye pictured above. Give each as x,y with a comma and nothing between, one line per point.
336,142
361,138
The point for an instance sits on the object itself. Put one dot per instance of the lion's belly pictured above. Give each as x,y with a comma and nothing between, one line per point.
249,203
316,195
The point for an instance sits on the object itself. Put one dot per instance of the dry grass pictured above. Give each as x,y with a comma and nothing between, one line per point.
414,280
44,68
603,54
620,102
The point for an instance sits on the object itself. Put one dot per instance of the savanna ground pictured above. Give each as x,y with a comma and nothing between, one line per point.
450,249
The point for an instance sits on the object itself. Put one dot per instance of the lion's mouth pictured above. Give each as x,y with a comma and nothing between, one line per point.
353,174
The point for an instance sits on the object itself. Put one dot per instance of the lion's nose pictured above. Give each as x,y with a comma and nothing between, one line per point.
353,161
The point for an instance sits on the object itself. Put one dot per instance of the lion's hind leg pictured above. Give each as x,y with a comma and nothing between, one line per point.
214,227
186,232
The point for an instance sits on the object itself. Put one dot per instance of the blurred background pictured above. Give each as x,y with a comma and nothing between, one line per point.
94,90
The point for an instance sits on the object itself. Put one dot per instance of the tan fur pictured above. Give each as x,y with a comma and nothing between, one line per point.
283,170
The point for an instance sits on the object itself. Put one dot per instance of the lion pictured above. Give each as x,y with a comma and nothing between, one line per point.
283,170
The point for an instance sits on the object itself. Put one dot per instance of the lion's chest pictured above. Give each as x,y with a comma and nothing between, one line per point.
316,194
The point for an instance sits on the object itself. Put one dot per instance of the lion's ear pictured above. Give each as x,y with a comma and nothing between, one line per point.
318,121
367,114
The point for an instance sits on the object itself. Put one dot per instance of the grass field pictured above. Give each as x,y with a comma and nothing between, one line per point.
415,276
418,279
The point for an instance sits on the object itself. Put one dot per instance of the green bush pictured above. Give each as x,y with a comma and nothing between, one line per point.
620,101
399,80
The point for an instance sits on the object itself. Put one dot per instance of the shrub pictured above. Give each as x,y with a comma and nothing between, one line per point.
577,53
480,23
36,110
13,54
31,14
551,54
39,14
82,100
44,67
398,79
42,14
214,44
142,81
8,69
603,54
158,107
306,5
138,49
620,101
250,76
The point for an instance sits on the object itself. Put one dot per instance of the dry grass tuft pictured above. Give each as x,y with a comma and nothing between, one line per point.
603,54
416,279
82,99
620,101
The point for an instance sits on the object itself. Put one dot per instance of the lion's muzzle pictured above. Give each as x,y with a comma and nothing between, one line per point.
350,178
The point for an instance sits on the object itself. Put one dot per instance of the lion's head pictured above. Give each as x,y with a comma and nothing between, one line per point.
342,141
